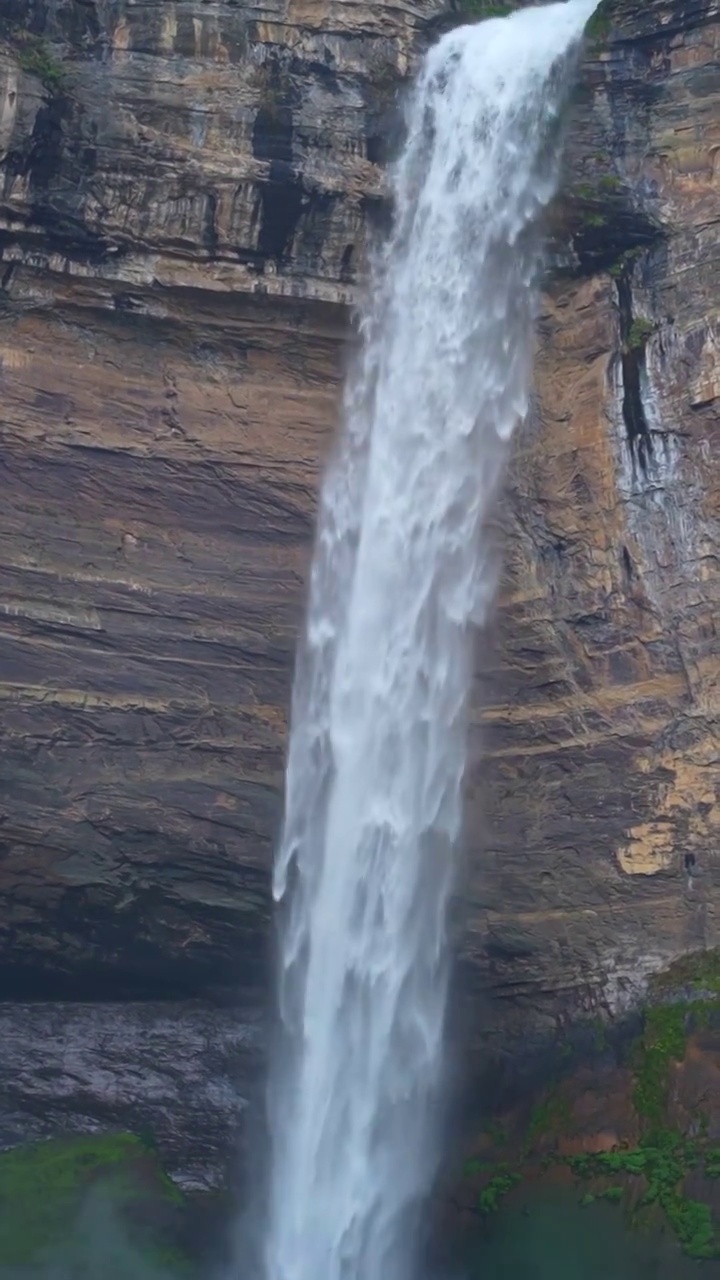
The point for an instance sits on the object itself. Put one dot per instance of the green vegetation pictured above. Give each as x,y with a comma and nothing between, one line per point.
474,1167
663,1163
552,1115
663,1041
597,193
655,1170
625,261
599,26
664,1157
699,971
496,1189
652,1175
43,1188
613,1194
501,1181
36,57
640,331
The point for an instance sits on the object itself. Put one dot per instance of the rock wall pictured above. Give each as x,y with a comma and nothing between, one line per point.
182,1074
601,859
187,191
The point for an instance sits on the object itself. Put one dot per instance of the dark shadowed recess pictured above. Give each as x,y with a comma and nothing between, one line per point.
96,952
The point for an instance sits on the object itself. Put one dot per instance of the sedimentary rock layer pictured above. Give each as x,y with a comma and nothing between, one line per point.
187,196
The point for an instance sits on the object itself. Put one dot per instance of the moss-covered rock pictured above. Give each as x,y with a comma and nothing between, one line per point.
96,1203
634,1121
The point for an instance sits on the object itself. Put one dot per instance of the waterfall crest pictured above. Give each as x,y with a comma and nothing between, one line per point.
401,570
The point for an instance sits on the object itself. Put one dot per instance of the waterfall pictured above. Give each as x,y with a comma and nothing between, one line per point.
401,572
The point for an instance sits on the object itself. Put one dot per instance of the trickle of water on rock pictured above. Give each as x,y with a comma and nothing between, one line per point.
401,570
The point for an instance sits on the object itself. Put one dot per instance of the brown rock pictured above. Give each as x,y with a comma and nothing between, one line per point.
182,222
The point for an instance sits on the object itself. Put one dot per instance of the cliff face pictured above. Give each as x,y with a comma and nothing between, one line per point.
184,187
601,858
187,191
600,862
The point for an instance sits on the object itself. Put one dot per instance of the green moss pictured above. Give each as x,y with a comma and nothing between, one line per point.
663,1159
495,1191
699,971
599,25
595,220
663,1163
640,330
596,195
609,183
474,1167
549,1117
613,1194
43,1186
693,1225
624,262
662,1042
37,59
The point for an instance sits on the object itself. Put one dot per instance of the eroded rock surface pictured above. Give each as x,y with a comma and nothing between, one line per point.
601,857
187,192
180,1072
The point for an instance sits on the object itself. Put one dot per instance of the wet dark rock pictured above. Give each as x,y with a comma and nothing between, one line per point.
182,1074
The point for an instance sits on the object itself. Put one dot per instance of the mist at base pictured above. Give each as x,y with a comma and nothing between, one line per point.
544,1235
95,1206
551,1235
98,1246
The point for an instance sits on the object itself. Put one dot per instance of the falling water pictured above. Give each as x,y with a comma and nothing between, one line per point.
401,570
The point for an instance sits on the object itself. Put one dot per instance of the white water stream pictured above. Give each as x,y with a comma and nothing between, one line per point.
401,571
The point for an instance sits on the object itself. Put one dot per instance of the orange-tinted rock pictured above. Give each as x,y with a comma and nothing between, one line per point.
182,224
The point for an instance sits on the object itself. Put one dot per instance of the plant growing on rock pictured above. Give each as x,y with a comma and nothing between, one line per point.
623,264
45,1186
651,1174
35,57
662,1042
663,1163
495,1191
641,330
552,1115
598,28
697,972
